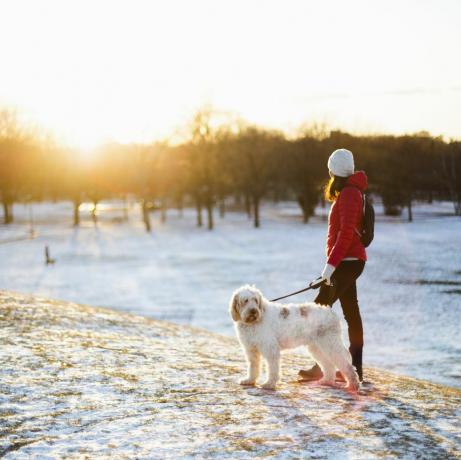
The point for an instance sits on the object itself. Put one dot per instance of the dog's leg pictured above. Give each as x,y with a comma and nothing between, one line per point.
343,361
327,366
272,357
254,366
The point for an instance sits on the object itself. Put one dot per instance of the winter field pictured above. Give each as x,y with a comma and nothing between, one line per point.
409,294
80,382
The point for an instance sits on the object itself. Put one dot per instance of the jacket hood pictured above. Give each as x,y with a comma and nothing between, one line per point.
358,179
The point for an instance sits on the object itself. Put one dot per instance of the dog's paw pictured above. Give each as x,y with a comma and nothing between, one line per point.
352,388
329,383
268,386
247,382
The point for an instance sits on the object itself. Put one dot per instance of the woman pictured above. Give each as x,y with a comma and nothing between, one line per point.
346,254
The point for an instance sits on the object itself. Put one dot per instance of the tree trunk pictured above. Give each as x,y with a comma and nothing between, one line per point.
198,205
76,204
209,210
145,215
248,205
256,210
456,197
302,204
93,212
163,211
452,182
7,212
410,211
307,203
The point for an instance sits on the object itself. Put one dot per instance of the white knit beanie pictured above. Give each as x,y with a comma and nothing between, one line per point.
341,163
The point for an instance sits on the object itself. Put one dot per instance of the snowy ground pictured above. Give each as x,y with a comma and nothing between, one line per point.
84,383
409,293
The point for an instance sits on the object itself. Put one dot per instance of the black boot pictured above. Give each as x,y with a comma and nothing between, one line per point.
312,374
356,353
359,372
315,373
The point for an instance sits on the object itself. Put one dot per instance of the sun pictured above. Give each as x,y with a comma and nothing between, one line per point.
86,144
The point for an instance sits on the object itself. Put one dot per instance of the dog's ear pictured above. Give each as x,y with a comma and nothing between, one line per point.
233,307
260,300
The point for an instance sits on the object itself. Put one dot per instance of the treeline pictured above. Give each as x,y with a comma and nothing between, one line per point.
217,163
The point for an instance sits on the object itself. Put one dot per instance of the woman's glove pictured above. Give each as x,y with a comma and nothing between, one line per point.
327,272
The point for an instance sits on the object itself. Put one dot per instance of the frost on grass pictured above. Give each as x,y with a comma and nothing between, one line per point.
80,382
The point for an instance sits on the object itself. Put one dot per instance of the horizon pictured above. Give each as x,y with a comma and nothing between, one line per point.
136,72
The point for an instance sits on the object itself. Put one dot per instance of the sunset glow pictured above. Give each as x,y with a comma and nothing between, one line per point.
135,71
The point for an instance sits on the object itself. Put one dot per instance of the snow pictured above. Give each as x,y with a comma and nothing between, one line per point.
409,293
81,382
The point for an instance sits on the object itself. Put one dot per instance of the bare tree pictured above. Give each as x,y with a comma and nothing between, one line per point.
306,170
202,163
451,173
255,157
16,151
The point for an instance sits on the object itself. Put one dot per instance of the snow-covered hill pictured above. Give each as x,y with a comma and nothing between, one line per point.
84,382
409,293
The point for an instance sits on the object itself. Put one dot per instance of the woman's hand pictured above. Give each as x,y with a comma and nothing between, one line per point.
327,272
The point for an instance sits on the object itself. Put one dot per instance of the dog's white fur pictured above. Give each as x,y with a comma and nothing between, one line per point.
265,328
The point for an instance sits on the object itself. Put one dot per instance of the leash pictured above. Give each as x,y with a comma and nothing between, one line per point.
312,285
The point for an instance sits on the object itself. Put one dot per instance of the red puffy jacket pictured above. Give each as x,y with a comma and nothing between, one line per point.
345,221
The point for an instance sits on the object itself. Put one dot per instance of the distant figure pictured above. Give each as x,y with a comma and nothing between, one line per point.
48,259
346,254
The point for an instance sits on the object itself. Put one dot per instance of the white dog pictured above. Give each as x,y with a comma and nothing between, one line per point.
265,328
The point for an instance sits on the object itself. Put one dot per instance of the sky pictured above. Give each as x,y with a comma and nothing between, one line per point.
95,71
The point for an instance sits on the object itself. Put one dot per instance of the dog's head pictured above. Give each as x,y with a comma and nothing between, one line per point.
247,305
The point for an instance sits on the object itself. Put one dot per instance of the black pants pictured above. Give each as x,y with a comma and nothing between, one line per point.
344,288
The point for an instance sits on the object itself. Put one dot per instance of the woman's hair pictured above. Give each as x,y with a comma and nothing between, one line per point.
333,187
